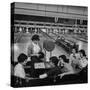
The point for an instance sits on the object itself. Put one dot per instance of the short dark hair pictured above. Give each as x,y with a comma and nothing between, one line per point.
22,57
41,55
76,49
83,52
35,37
64,58
54,60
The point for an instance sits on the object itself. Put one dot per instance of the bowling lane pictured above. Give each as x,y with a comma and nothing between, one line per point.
82,44
23,42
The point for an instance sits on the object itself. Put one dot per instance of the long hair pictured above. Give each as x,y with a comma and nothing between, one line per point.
83,52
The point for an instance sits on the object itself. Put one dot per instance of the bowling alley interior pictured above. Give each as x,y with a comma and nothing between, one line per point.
49,44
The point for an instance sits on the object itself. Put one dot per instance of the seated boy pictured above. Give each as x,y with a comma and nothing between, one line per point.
55,70
66,69
19,71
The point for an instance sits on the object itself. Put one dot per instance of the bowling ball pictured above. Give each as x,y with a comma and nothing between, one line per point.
48,45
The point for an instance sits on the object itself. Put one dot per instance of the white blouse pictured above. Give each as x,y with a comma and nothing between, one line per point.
19,71
74,58
36,48
83,62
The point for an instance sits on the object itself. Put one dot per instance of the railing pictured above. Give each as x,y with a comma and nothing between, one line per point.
46,23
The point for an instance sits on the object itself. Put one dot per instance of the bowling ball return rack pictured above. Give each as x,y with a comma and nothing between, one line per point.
67,45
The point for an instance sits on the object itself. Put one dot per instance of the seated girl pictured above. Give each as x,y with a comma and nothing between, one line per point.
83,59
74,56
66,67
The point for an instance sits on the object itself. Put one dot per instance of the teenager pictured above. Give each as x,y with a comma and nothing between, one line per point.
54,71
83,59
83,66
34,48
74,56
66,67
19,68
